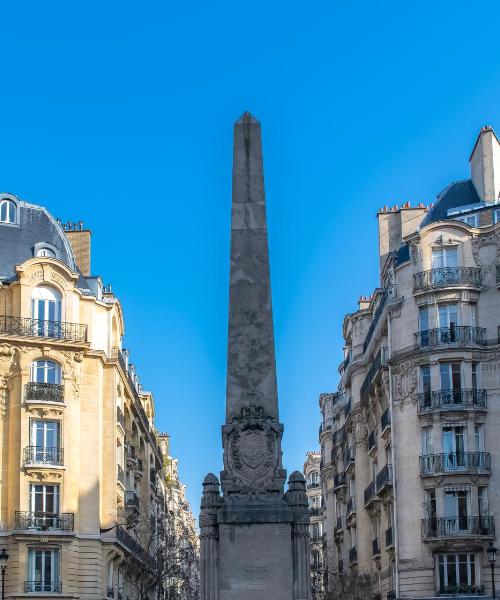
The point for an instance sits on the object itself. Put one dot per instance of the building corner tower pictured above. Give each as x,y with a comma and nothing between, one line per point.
254,538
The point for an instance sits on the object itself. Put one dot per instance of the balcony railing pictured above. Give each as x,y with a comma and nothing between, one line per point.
349,457
389,292
43,586
44,521
455,462
60,330
370,494
389,537
338,527
379,361
443,527
314,511
312,485
132,499
351,506
385,420
447,277
452,400
461,590
384,479
339,436
353,555
110,592
120,474
43,455
44,392
458,335
348,408
375,547
372,441
132,545
339,480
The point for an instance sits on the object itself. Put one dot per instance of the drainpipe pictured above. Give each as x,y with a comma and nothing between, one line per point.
393,458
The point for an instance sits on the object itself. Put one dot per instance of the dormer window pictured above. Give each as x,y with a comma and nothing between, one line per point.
469,220
45,253
45,250
7,211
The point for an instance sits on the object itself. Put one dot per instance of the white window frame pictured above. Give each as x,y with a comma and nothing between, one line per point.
9,208
45,367
467,218
496,216
53,554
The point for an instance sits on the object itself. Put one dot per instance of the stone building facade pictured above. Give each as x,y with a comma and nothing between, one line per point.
409,442
84,484
316,510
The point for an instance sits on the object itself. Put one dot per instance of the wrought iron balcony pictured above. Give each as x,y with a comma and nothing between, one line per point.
338,527
375,547
44,392
447,277
353,555
379,361
468,399
314,511
44,521
43,586
348,408
312,485
389,538
370,494
349,457
455,462
385,420
43,455
351,506
110,592
25,327
384,479
461,590
457,335
372,441
453,527
339,436
339,480
132,545
388,293
132,499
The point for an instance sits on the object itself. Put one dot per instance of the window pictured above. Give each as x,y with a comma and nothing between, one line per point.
7,211
448,315
482,501
46,310
430,502
479,437
425,384
455,510
45,253
43,571
451,382
45,440
457,573
426,440
444,257
496,216
423,323
45,371
453,442
469,220
44,498
475,376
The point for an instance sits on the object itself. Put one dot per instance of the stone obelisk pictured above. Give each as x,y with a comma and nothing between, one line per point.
254,538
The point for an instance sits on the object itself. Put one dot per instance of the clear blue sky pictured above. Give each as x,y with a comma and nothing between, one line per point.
120,114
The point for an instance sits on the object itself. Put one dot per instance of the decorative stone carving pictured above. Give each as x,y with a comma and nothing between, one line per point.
415,251
253,459
73,362
486,250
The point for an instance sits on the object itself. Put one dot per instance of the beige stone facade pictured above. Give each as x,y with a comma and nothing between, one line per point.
82,465
314,492
409,442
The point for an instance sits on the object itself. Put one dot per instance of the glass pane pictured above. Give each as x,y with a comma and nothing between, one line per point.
452,570
437,258
451,257
444,370
424,318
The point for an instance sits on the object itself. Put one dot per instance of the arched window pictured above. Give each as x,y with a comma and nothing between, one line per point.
46,310
45,371
7,211
45,253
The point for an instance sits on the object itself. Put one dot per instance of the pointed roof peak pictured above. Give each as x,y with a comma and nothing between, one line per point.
246,117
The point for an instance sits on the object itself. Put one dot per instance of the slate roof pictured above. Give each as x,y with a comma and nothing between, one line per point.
459,193
17,242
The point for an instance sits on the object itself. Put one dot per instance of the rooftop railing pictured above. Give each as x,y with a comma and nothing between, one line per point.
447,277
27,327
452,400
458,335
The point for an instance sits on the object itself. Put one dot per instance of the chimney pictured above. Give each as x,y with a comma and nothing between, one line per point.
485,165
79,239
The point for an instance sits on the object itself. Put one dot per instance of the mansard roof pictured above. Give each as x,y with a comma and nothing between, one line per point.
459,193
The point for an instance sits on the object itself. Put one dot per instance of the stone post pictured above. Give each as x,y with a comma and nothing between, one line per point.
209,539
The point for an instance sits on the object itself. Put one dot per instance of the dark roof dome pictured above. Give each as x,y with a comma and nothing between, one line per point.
459,193
33,226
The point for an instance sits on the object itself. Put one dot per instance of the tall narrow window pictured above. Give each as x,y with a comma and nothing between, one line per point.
45,371
423,322
453,441
444,266
475,376
45,444
7,211
451,382
457,574
44,504
482,501
46,311
455,510
425,384
448,315
43,571
426,440
479,437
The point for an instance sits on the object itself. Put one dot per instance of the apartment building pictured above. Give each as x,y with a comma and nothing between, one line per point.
84,491
409,441
312,467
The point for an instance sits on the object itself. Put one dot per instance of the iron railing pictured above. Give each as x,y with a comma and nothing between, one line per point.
44,392
453,462
44,521
388,292
43,586
447,277
338,527
389,537
385,420
370,493
379,361
353,555
43,455
452,399
313,484
375,547
133,546
372,440
460,335
132,499
110,592
26,327
339,436
314,511
461,526
384,478
339,480
349,457
461,590
348,408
